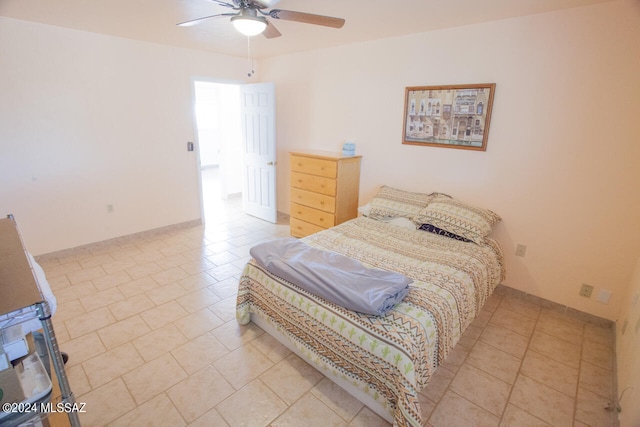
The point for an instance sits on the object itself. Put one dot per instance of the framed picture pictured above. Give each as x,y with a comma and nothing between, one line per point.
455,116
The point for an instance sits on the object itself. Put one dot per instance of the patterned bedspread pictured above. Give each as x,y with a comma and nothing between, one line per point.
390,358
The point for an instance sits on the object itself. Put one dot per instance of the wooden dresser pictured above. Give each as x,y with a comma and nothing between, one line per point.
324,190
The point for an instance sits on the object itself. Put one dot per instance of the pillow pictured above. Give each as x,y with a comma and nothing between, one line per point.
402,222
459,218
393,203
365,210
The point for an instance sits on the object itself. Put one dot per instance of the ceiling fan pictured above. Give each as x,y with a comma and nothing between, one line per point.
250,18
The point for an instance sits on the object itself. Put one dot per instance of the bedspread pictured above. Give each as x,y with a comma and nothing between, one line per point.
391,357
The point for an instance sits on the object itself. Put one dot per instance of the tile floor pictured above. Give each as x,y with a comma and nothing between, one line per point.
149,324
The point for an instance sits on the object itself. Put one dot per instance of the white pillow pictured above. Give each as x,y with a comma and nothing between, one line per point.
365,210
402,222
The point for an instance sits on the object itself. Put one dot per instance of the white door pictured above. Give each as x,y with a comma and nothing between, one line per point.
257,103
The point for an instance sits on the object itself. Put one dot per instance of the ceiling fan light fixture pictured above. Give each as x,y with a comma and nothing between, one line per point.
249,25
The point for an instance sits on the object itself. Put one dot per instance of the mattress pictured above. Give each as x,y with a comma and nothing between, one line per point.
388,358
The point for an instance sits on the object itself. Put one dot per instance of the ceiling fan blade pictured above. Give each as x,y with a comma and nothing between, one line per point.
271,31
224,3
198,20
307,18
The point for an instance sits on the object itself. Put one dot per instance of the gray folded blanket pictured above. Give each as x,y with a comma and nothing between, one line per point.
337,278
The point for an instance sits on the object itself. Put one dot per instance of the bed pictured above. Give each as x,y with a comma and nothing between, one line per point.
441,244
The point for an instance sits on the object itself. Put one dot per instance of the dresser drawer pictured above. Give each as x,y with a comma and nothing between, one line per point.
314,183
300,228
320,167
314,216
314,200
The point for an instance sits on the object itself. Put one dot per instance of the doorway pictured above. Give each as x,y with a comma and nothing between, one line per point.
217,108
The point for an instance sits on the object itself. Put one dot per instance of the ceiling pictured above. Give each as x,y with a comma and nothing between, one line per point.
155,20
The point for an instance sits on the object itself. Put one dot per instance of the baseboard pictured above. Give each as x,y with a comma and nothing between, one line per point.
554,306
92,247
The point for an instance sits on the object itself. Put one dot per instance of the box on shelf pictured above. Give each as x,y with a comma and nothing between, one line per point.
10,388
27,381
18,349
15,343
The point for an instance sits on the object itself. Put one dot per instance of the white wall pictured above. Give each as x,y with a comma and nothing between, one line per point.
88,120
561,166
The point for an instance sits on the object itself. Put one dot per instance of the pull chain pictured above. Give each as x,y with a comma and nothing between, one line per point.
250,61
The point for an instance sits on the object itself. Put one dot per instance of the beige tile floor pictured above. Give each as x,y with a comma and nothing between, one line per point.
149,324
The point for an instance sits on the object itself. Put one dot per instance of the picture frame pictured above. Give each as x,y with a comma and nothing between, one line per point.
451,116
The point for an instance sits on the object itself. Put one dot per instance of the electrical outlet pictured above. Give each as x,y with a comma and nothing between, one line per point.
109,208
586,290
521,250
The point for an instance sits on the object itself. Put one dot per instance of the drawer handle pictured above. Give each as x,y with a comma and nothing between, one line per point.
321,219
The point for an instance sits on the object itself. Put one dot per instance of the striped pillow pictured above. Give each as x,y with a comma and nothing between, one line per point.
459,218
393,203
